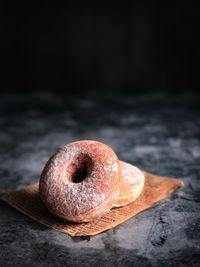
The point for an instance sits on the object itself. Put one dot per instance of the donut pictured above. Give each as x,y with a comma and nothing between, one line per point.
81,181
132,184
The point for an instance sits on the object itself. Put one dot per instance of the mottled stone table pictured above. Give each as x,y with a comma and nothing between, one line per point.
158,132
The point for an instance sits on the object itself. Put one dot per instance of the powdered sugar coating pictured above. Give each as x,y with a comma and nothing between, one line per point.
131,186
131,174
65,198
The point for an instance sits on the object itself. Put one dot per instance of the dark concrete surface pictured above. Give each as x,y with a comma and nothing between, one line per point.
158,132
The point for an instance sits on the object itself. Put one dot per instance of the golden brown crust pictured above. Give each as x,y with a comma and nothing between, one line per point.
97,212
71,198
132,184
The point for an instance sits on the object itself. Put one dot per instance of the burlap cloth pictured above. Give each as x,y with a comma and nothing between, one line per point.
28,202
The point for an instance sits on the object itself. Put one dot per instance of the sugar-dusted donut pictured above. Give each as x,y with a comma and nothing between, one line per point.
132,184
81,181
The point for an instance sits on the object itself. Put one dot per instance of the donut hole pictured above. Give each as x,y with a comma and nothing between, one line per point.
83,169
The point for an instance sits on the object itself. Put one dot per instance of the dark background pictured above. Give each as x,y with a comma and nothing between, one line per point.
125,75
99,46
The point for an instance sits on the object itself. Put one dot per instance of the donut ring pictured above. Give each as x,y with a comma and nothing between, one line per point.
132,184
81,181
